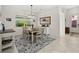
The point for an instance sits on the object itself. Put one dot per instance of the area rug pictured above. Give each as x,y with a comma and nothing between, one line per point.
24,46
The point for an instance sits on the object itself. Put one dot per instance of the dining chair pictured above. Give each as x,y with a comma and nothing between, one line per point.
26,34
39,34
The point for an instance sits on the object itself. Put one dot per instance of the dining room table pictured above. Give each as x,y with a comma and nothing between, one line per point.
32,32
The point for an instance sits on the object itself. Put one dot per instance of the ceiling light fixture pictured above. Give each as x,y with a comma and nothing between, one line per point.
31,10
31,14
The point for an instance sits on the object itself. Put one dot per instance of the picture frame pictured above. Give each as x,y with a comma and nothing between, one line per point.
8,19
74,23
74,19
45,20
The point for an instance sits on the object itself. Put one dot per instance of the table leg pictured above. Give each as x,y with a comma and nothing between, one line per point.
32,37
0,44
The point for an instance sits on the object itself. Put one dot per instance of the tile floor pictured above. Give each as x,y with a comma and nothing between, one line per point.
68,44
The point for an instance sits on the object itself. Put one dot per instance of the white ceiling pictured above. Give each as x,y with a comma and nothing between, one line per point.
37,8
69,6
48,6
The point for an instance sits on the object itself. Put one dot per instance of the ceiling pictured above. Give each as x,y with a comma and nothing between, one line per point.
69,6
36,8
48,6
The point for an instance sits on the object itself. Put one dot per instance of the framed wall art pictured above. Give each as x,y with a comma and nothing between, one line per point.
74,21
8,19
45,21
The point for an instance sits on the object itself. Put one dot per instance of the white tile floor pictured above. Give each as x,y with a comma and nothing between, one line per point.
68,44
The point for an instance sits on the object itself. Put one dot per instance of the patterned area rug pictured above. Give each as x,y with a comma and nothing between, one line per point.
24,46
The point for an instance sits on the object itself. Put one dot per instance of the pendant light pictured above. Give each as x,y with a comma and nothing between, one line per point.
32,16
31,10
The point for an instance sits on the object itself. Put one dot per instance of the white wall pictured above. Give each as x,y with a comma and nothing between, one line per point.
57,27
12,11
0,12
